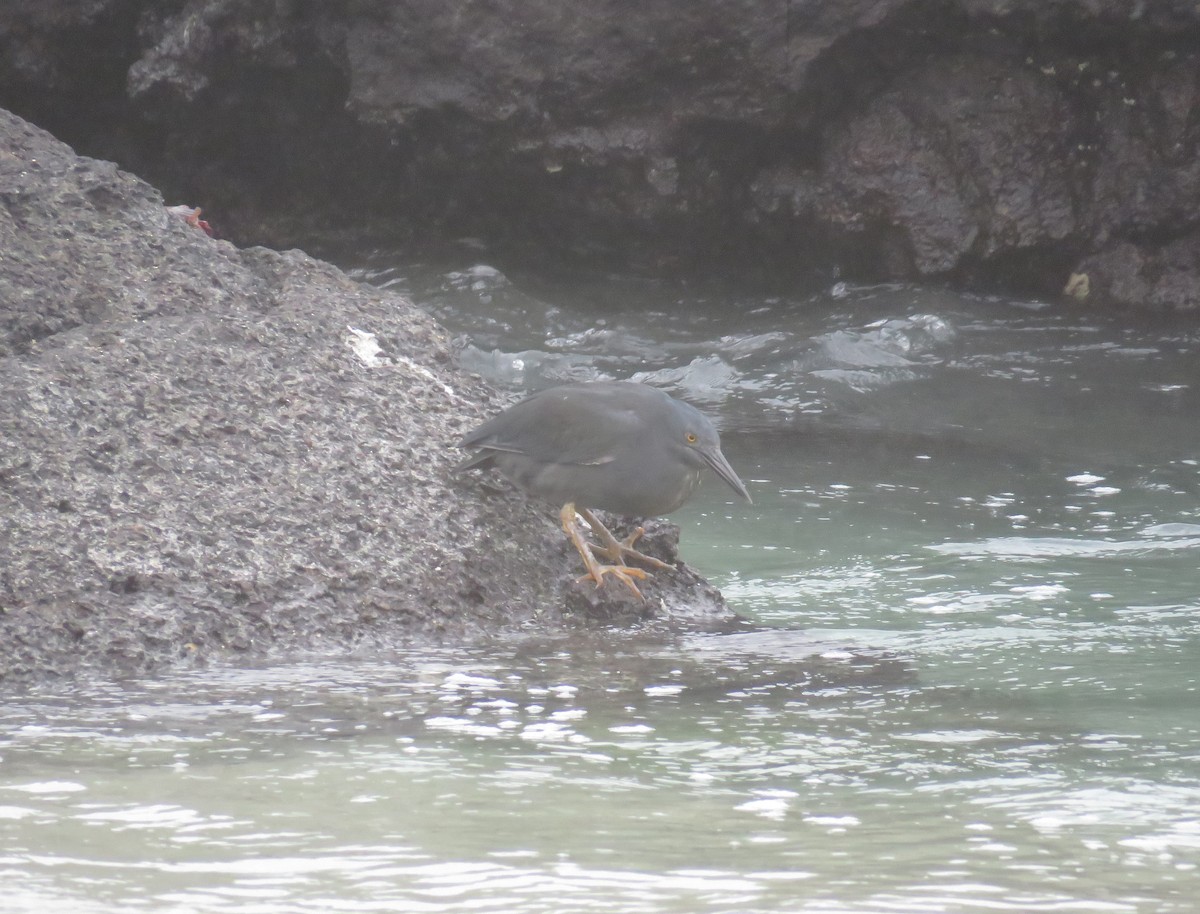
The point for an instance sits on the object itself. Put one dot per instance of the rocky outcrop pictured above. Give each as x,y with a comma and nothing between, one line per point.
207,451
1006,143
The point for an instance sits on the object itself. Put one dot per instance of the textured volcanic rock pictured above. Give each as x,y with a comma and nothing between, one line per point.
207,451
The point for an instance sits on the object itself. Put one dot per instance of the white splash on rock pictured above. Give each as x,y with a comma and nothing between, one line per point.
365,346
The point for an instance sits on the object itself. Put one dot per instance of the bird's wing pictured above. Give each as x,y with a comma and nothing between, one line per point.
557,426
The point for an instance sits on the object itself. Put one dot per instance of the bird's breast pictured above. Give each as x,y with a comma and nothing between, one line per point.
619,487
673,497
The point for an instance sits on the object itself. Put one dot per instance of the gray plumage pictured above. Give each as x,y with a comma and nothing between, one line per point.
617,446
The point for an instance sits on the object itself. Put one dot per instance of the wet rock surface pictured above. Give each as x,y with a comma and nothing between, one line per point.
211,452
614,604
997,143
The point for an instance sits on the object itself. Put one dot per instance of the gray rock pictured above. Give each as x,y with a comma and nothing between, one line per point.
1128,275
202,455
991,142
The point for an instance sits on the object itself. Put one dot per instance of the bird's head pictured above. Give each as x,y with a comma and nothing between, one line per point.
695,441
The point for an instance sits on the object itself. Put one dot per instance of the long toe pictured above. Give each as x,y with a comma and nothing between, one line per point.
622,573
622,550
625,554
587,551
617,551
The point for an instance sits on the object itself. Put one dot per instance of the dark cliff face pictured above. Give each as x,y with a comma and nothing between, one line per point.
1001,143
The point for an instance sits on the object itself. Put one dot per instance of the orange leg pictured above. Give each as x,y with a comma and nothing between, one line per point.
596,571
616,550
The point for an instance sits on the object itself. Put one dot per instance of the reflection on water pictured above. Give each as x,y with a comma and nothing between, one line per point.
974,546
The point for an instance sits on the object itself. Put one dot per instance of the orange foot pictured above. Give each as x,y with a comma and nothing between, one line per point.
596,571
616,550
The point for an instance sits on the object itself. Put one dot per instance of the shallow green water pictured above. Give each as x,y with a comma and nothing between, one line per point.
975,544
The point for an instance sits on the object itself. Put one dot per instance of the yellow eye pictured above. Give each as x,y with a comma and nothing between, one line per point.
691,438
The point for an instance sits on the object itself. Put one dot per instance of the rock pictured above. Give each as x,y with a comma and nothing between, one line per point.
917,159
1128,275
210,452
615,604
986,142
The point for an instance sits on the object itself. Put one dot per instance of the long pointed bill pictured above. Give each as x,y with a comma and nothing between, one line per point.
721,467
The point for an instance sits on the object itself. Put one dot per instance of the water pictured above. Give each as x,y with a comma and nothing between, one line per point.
974,550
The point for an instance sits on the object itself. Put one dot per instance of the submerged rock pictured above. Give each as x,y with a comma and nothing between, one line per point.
207,451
